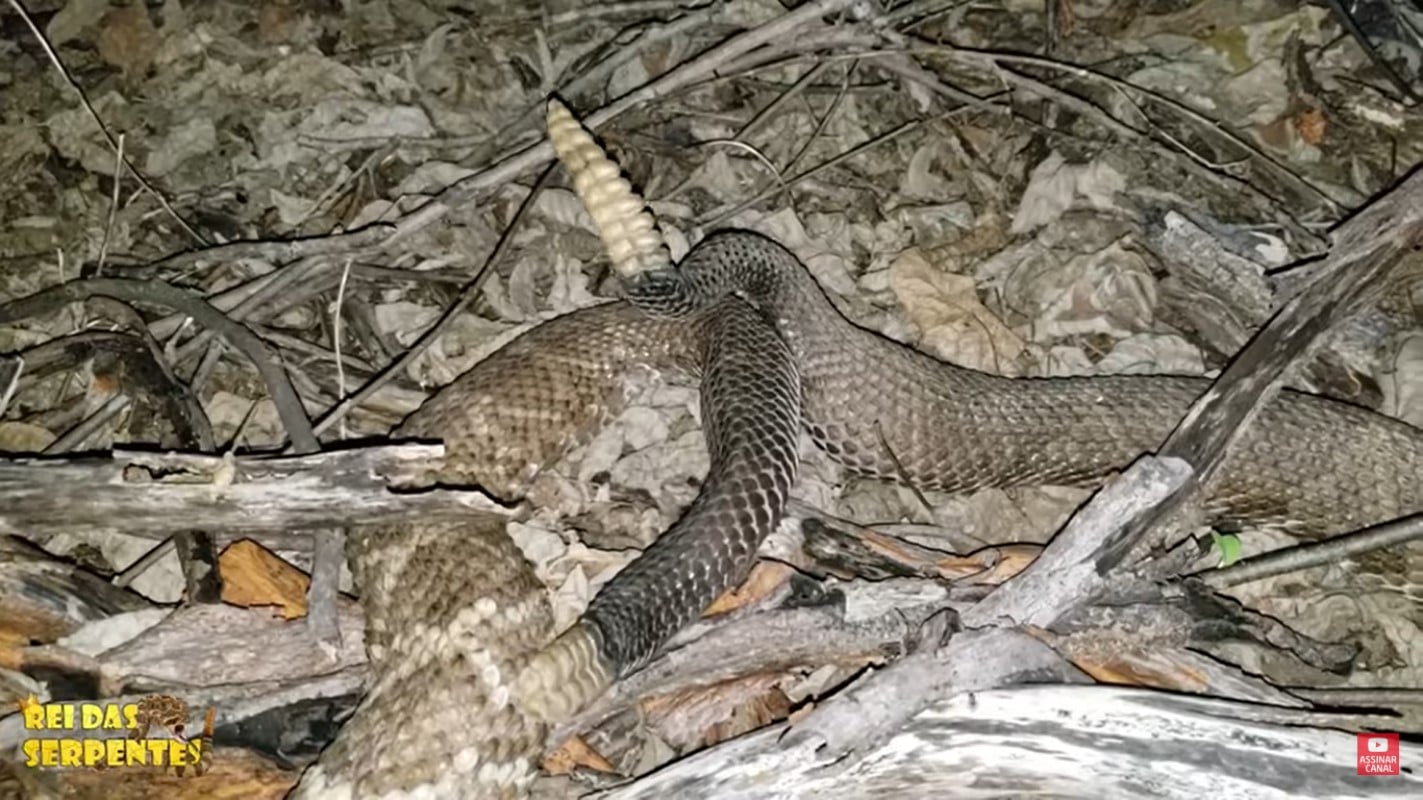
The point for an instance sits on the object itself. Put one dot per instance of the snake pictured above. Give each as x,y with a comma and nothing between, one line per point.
468,673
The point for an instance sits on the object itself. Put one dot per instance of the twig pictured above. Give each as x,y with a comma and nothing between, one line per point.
113,206
591,12
153,495
288,404
262,298
824,118
279,251
93,114
1361,697
755,122
76,436
1352,26
796,88
1188,160
11,385
336,339
1314,554
301,346
145,562
598,73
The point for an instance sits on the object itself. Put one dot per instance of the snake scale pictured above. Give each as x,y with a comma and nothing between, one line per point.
459,629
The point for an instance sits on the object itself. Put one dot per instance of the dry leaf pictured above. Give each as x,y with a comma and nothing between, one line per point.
252,576
24,437
1056,186
1311,125
953,324
574,752
128,40
764,579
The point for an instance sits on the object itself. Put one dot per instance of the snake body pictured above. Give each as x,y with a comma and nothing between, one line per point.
456,614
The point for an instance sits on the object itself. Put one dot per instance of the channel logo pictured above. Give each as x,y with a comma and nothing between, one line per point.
1378,754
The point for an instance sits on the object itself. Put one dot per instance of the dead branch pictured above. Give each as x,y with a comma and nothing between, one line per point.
157,494
1078,741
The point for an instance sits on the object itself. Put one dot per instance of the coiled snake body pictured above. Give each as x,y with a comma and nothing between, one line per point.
459,628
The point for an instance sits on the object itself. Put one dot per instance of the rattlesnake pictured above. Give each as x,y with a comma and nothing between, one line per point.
459,627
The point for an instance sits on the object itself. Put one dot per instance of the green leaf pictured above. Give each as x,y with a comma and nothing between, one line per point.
1229,547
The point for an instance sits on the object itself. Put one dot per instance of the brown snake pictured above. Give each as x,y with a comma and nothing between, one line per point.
458,625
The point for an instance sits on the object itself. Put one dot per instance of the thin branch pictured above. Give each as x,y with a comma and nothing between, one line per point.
288,404
1315,554
278,251
79,434
336,334
113,206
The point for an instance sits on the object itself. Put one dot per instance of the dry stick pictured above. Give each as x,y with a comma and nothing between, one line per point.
1365,248
263,359
772,107
825,118
152,495
195,428
310,350
1360,697
780,29
1315,554
274,294
145,562
238,302
113,205
280,251
586,13
12,384
906,45
336,337
104,129
1352,26
755,122
80,433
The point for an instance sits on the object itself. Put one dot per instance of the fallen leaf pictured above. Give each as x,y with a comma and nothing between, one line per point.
952,322
574,752
765,577
128,40
253,576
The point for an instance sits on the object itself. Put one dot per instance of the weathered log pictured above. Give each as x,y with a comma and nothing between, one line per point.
157,494
1060,741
